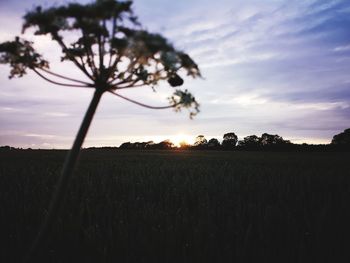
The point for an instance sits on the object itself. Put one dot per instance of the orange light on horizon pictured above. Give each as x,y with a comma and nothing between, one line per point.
181,139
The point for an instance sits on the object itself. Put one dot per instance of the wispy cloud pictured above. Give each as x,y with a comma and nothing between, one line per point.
342,48
268,66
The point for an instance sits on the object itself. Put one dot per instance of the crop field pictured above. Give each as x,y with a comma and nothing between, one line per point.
179,206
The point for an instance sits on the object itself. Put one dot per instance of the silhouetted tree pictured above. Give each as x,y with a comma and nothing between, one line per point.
6,147
112,51
164,145
213,143
250,141
229,140
126,145
342,138
201,141
149,144
139,145
269,139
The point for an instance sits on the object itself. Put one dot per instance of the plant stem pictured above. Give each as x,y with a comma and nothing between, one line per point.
66,174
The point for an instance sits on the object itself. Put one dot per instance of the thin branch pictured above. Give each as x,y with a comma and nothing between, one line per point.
89,55
64,47
111,40
101,51
91,61
104,42
59,83
131,65
131,86
128,70
110,69
143,105
128,81
83,63
110,59
64,77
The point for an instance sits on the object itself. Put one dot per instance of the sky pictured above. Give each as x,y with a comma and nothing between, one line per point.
275,66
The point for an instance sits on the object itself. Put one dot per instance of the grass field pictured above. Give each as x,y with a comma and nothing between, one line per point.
168,206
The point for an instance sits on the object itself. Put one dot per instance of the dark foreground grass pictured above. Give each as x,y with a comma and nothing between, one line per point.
160,206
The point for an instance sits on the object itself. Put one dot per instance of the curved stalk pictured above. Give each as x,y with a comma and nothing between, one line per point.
66,174
142,104
59,83
64,77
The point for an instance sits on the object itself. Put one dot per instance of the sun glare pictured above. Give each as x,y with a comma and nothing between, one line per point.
179,139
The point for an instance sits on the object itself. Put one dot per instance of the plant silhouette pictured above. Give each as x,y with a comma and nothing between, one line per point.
229,140
113,51
342,138
200,141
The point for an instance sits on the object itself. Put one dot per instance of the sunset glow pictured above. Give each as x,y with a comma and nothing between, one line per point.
181,138
174,131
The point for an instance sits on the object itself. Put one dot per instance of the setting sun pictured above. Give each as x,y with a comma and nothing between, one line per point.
174,131
181,138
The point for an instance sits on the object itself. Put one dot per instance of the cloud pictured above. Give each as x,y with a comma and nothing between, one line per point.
341,48
268,66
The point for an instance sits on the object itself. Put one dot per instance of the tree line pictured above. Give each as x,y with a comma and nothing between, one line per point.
252,142
230,141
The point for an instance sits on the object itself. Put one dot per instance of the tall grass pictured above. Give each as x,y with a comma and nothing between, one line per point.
160,206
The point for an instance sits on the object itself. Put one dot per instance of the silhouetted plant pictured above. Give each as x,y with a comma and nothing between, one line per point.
342,138
269,139
250,141
201,141
213,143
229,140
163,145
126,145
112,50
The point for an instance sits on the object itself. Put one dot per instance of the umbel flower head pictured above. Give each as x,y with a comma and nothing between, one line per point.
21,55
113,51
110,47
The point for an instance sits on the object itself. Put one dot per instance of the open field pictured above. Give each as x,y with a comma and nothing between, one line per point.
167,206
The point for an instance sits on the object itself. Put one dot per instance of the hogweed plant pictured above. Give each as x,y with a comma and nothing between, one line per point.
113,51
